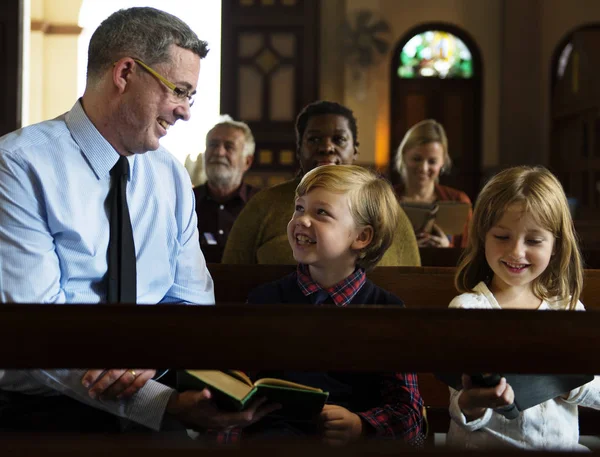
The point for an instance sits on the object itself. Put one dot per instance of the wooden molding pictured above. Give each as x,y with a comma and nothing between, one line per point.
55,29
39,26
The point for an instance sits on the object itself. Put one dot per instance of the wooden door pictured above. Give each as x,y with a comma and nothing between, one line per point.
454,101
575,129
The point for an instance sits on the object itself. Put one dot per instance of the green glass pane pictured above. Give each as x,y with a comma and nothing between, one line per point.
435,54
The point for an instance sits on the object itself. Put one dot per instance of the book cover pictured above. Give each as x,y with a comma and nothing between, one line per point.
233,391
450,216
530,390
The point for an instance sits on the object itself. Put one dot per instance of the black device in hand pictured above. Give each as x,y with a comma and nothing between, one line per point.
492,380
530,389
485,380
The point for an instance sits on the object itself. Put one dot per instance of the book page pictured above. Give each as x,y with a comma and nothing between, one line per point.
284,383
241,376
223,382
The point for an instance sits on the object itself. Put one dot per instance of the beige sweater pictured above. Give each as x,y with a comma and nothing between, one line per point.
259,234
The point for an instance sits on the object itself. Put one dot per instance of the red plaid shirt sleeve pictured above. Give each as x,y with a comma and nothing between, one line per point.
400,416
229,436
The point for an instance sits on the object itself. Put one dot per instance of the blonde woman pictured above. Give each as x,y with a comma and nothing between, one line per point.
422,157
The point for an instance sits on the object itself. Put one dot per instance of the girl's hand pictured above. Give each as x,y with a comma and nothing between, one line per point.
340,426
473,401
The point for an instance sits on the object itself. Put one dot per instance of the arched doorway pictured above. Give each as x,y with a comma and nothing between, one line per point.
436,72
575,122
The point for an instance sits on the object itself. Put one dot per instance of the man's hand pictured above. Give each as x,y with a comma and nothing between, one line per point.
115,383
195,410
340,426
473,401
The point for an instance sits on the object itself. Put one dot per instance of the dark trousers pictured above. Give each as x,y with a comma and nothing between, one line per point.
35,413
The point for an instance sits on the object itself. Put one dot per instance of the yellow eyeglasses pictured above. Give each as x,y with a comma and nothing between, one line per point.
180,93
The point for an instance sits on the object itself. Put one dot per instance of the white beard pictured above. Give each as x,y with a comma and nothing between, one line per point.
220,175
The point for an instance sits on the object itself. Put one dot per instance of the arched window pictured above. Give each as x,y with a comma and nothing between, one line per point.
435,54
436,73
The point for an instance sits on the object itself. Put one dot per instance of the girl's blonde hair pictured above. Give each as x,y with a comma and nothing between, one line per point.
371,200
542,196
424,132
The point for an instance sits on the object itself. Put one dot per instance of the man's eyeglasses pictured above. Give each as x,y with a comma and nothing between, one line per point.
180,93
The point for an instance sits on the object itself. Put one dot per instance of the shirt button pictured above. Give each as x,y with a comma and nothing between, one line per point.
220,232
222,207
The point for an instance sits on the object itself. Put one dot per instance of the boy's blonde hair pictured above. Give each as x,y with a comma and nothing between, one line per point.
542,196
424,132
371,201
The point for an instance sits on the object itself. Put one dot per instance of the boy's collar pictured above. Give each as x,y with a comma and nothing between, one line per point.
341,293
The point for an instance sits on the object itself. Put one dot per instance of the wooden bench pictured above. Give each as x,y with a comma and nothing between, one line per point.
420,288
449,257
241,336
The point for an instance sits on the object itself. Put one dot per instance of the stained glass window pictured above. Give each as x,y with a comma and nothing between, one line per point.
435,54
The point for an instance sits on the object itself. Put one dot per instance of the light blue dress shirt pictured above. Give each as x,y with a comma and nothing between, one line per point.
54,230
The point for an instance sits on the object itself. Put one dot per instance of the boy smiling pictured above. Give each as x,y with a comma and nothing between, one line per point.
345,218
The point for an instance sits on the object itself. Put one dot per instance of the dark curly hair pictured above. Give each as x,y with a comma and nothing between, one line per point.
321,107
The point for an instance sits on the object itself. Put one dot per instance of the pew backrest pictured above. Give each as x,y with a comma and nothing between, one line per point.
418,287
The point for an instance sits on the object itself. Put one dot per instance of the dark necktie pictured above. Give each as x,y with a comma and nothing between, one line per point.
321,297
121,248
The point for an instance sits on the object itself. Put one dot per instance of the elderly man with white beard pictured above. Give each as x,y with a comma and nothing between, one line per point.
229,154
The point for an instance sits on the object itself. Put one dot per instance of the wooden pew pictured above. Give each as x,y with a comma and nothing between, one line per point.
420,288
243,336
436,257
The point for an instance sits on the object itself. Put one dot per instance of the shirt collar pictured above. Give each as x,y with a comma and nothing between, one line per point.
341,293
242,192
99,153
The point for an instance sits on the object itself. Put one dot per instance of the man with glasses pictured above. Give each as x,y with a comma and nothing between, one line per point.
94,210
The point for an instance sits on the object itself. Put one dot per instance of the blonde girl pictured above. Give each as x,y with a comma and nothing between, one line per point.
522,253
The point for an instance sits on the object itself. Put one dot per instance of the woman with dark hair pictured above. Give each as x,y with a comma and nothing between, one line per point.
326,134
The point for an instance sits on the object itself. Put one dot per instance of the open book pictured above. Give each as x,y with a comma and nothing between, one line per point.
450,216
233,390
529,389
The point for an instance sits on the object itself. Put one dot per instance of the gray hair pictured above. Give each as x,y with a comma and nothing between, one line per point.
249,144
142,32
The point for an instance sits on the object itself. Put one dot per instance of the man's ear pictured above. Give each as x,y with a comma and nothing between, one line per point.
363,239
121,73
355,152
